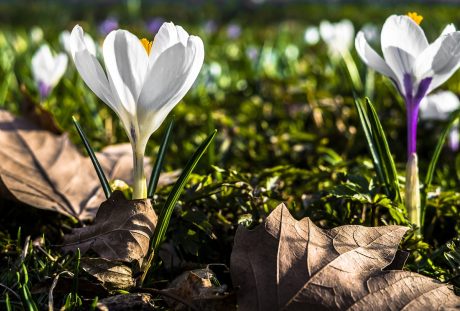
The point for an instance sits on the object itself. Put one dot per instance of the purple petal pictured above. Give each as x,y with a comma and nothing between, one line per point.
44,89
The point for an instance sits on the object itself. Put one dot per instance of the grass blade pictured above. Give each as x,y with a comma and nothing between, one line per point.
99,171
160,160
389,168
168,207
380,151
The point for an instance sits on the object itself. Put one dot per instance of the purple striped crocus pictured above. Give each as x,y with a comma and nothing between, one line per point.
415,67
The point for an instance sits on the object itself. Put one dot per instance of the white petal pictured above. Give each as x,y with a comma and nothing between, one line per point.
402,32
326,30
60,66
64,39
42,64
167,36
438,106
91,70
448,29
346,33
126,63
90,45
400,62
371,58
169,79
446,60
339,36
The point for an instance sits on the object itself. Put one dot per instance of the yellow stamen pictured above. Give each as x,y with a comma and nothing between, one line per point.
147,45
415,17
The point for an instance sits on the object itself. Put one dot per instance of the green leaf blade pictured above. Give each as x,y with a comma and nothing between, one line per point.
153,183
100,172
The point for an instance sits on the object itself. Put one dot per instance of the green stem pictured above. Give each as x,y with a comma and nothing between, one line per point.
139,183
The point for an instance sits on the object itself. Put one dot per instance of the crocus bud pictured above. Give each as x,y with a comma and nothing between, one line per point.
412,190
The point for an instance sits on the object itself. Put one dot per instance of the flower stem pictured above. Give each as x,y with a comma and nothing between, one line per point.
412,116
140,183
412,198
413,190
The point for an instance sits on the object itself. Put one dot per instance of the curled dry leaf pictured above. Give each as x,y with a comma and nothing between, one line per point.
45,170
121,230
197,288
111,274
286,264
128,302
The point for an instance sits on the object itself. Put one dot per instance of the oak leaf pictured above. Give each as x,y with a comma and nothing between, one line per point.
45,170
121,230
286,264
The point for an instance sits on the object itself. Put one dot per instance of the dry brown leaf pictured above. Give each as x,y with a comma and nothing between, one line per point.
121,230
111,274
197,288
127,302
47,171
286,264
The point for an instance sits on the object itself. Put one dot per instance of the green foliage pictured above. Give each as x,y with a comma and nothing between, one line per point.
289,130
166,211
378,146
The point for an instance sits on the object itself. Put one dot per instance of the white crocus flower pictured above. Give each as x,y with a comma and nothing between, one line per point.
64,39
47,69
338,36
142,82
439,106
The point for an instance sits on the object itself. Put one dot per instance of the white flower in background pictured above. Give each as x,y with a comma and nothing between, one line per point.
36,34
371,32
64,39
252,53
291,52
233,31
439,106
311,35
338,36
215,69
48,69
142,82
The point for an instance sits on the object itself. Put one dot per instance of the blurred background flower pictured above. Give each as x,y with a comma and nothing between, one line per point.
154,25
107,25
47,69
311,35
